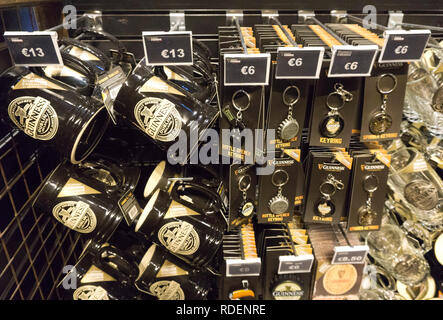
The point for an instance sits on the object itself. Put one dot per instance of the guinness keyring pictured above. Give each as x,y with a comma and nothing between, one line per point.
186,231
247,206
241,101
167,278
279,203
367,216
325,207
289,128
333,124
381,121
51,112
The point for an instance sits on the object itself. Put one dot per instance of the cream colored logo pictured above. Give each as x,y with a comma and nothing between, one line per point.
179,237
288,290
90,293
159,118
167,290
35,116
76,215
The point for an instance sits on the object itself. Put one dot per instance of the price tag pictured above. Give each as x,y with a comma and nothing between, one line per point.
168,48
295,264
350,255
33,49
129,207
247,69
352,61
239,267
404,45
299,63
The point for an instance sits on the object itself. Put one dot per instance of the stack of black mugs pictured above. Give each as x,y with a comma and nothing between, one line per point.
164,251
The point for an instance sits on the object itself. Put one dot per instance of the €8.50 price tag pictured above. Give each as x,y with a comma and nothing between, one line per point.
168,48
246,69
239,267
350,255
299,63
34,49
352,61
404,45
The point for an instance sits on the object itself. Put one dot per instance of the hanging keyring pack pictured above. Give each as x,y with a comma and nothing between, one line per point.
368,189
326,186
277,192
242,186
334,112
286,111
383,100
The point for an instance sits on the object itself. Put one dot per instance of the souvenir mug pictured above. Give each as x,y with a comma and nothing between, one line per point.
51,112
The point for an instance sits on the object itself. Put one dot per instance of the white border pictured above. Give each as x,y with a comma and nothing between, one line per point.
162,33
319,62
230,262
304,257
388,33
335,49
350,249
243,56
52,34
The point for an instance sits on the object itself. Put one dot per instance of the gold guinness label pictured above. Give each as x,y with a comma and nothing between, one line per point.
35,116
287,290
90,293
167,290
76,215
158,118
179,237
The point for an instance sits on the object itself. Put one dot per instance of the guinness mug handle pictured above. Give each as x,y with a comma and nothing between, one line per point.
96,52
102,34
216,204
78,65
116,263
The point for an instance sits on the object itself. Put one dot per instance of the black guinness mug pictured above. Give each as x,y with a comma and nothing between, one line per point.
186,231
87,281
79,206
48,110
161,109
167,278
76,73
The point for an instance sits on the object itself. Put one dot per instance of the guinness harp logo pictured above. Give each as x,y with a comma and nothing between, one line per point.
179,237
158,118
90,293
76,215
288,290
35,116
167,290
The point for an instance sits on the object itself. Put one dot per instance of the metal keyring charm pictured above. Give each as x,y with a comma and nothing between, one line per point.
393,77
248,185
282,183
234,104
284,95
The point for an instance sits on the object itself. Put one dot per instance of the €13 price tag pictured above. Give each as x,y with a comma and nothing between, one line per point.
299,63
352,61
295,264
350,255
404,45
33,49
239,267
247,69
168,48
